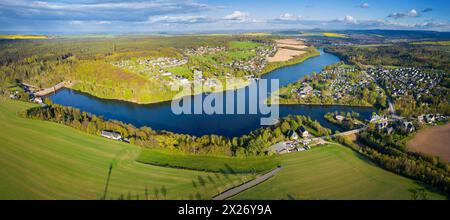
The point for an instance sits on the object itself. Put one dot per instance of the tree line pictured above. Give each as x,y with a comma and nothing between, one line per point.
389,153
256,143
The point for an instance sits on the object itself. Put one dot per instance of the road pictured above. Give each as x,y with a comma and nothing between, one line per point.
233,191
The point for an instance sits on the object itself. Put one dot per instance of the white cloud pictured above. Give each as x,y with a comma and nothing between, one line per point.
76,22
364,5
237,16
188,19
411,13
103,22
106,10
289,17
349,19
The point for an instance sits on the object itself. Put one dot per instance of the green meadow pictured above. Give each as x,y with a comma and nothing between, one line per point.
208,163
333,172
45,160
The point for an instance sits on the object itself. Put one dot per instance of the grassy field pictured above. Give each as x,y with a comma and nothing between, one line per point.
208,163
332,172
44,160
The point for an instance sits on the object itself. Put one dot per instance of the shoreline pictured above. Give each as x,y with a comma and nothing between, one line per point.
320,104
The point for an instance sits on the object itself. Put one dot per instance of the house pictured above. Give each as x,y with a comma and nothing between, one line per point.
339,117
382,125
378,118
38,100
429,118
390,130
292,135
303,132
407,127
421,118
14,95
111,135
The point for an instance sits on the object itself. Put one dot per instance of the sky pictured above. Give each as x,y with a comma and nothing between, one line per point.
151,16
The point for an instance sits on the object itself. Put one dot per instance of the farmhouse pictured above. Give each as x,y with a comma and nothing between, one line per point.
111,135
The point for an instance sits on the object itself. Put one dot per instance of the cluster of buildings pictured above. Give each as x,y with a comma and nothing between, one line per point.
144,65
162,62
389,125
404,81
301,132
203,50
342,82
305,90
256,63
33,95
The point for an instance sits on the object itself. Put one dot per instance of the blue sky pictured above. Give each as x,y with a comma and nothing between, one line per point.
140,16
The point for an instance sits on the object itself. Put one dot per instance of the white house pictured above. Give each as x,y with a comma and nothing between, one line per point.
111,135
303,132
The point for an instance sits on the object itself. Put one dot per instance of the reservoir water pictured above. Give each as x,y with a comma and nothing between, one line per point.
160,116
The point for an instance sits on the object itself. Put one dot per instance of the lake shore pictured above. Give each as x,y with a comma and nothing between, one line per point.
271,67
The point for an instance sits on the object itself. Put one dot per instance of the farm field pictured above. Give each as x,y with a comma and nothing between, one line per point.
333,172
44,160
433,141
208,163
22,37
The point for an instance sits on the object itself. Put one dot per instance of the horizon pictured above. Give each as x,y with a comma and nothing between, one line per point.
50,17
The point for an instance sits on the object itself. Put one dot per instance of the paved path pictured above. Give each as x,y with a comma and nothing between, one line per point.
245,186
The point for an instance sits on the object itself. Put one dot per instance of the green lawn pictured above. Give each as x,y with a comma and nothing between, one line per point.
332,172
45,160
208,163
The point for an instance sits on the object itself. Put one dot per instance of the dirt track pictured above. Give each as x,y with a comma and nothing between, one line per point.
433,141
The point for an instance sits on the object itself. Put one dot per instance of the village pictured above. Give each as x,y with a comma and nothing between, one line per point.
341,84
160,69
406,81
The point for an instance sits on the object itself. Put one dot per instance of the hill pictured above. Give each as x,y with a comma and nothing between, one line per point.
45,160
333,172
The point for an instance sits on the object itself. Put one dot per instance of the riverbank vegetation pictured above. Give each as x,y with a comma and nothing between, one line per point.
256,143
345,120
